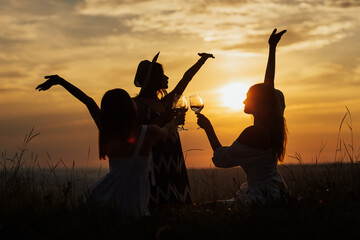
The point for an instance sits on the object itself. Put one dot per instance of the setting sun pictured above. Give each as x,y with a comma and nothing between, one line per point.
233,95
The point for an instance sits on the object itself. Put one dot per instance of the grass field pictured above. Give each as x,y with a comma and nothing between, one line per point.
40,201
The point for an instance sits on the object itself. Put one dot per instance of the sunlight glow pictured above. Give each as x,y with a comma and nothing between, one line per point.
233,95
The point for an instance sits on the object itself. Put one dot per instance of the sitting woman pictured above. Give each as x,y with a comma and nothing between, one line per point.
259,147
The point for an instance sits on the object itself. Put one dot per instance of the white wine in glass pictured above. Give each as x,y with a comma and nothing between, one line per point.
180,105
196,103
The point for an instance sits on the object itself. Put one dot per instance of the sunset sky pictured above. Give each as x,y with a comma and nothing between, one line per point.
97,45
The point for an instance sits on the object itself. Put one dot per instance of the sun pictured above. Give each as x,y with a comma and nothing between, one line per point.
233,95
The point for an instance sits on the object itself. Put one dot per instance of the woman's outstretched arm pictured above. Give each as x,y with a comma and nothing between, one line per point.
189,74
80,95
270,68
205,123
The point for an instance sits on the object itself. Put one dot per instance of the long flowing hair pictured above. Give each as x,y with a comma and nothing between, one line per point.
117,116
270,109
155,80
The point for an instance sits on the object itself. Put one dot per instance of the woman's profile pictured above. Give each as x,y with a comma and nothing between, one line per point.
169,174
260,147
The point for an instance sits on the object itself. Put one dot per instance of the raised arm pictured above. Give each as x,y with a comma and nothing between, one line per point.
270,68
205,123
80,95
189,74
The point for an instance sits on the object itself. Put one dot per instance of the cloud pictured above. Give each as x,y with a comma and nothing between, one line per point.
328,76
228,25
81,29
345,3
12,74
317,3
258,42
38,7
53,21
10,42
231,26
11,89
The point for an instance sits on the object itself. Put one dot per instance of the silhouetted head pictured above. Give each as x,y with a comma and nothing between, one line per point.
117,116
157,82
266,105
260,100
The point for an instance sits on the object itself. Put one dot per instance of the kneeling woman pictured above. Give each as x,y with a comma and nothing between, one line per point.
257,150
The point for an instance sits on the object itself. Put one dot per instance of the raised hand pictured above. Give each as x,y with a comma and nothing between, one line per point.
206,55
51,81
275,37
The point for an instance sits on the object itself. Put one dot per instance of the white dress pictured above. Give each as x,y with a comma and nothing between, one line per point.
126,187
263,181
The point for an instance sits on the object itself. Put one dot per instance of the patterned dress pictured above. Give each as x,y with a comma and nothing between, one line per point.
168,175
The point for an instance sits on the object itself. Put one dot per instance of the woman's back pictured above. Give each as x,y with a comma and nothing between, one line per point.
134,164
126,187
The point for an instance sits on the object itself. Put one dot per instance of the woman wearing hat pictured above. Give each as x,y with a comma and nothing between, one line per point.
170,183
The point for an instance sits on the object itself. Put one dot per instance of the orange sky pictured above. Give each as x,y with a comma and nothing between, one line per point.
97,44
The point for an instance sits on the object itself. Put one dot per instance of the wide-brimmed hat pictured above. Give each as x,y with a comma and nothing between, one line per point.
143,72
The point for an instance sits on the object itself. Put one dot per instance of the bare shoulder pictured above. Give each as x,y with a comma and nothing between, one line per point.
256,136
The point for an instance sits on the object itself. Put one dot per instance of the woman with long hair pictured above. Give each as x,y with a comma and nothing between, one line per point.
127,145
170,183
260,147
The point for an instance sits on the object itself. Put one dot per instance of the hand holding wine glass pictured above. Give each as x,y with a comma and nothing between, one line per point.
180,105
196,103
203,121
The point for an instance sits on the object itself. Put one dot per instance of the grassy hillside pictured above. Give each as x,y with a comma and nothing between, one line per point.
39,201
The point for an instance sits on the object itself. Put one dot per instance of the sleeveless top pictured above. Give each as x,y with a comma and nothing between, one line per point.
126,187
135,165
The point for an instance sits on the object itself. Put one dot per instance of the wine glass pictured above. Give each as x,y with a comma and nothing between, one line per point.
180,105
196,103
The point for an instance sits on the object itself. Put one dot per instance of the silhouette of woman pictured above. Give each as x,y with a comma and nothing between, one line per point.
128,146
169,174
259,147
